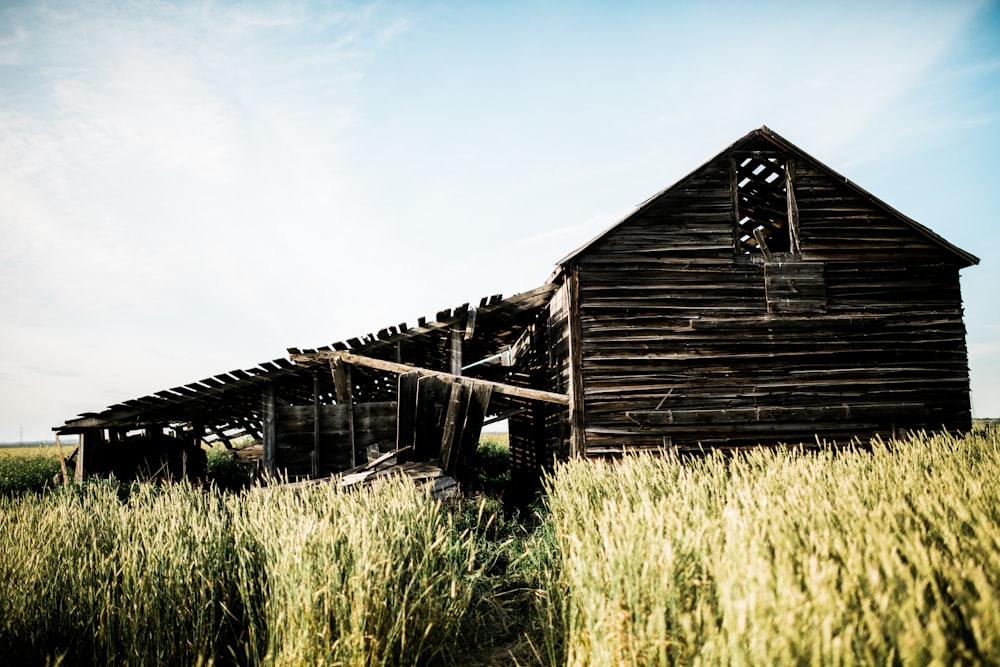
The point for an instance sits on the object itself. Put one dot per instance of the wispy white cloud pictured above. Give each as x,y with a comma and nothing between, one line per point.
982,351
151,157
11,45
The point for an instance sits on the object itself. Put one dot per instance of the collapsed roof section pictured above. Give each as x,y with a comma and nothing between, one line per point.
474,340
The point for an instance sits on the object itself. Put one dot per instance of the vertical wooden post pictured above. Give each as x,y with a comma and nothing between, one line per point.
268,411
406,409
734,192
342,388
457,335
793,207
62,461
459,394
79,448
197,434
577,417
316,426
90,440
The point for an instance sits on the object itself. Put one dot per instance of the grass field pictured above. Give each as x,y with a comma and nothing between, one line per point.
775,557
887,557
47,451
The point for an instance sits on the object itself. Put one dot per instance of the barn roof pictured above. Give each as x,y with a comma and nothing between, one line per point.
752,140
228,405
496,322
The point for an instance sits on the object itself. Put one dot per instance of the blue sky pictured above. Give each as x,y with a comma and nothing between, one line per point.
188,188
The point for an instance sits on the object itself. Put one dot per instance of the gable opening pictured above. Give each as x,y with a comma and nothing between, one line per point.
765,205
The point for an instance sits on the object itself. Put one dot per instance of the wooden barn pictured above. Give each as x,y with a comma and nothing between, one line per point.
407,399
762,299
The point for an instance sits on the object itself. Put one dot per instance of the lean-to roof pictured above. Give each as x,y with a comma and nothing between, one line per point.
228,405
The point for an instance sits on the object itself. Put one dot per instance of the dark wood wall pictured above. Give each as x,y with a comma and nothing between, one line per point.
685,339
539,434
297,453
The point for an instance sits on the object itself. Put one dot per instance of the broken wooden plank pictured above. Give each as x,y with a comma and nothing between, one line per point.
381,364
342,386
459,395
431,407
844,411
455,365
406,409
268,414
475,406
470,323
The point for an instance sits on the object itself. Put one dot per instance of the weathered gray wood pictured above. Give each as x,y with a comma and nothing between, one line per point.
406,415
433,394
577,405
477,398
381,364
456,402
342,386
470,323
762,244
865,309
62,461
374,424
455,365
795,287
793,208
316,426
773,414
267,409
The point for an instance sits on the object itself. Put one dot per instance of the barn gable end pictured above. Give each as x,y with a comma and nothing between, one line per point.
765,298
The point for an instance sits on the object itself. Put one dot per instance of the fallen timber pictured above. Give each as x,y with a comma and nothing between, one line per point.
421,473
439,415
393,367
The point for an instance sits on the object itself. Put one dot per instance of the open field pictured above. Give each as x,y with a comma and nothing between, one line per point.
35,450
775,557
887,557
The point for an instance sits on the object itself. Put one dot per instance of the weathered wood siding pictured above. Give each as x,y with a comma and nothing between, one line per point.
374,424
540,434
684,339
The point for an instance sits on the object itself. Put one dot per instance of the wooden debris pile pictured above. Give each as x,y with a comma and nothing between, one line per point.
392,464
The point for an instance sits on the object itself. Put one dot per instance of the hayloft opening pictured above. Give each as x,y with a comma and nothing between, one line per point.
762,206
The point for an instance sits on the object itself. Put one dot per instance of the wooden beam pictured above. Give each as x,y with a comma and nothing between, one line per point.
504,415
459,392
476,405
342,387
793,208
456,351
768,414
62,461
406,409
734,199
577,417
392,367
268,410
316,426
758,234
470,324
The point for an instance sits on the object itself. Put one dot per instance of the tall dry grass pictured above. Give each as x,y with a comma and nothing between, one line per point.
375,577
850,557
177,575
91,577
775,557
